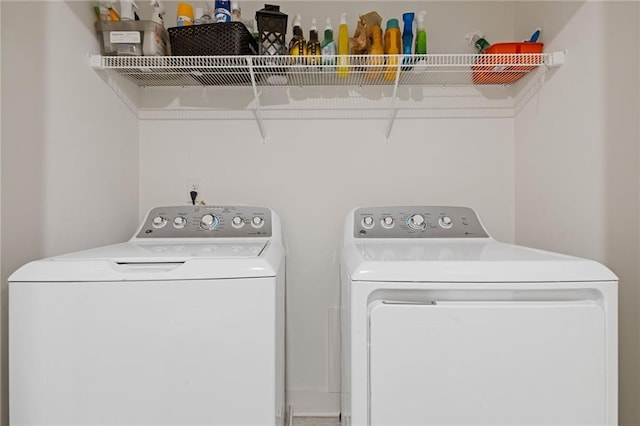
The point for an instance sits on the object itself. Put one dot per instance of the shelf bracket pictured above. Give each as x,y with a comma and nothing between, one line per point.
392,108
555,59
257,111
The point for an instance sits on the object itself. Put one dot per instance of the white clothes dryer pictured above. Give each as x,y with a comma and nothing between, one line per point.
182,325
443,325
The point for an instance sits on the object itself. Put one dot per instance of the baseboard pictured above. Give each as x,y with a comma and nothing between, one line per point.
310,403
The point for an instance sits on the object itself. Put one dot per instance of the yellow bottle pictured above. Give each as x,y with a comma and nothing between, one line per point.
343,47
376,48
392,46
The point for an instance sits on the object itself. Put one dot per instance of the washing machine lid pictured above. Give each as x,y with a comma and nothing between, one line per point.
465,261
159,260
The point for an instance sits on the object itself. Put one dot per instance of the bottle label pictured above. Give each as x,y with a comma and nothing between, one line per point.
184,21
124,37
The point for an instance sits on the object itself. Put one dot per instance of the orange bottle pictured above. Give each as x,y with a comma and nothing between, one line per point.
393,47
376,48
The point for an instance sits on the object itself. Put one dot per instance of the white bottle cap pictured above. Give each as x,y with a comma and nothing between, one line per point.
314,24
328,26
235,5
343,19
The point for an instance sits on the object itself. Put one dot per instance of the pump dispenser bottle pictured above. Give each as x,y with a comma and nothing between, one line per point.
297,45
313,46
343,47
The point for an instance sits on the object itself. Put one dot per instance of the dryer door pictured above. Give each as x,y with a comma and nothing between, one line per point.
487,363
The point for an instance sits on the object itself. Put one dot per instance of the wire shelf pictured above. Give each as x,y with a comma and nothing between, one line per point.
354,70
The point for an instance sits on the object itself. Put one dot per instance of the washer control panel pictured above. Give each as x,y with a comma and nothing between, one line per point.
206,222
417,222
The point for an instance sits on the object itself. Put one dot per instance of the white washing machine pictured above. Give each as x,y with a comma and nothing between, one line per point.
443,325
182,325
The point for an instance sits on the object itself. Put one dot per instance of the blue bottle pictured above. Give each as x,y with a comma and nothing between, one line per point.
407,38
222,11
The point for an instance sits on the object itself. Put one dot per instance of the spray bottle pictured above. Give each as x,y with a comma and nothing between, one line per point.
313,46
477,39
343,47
421,42
158,12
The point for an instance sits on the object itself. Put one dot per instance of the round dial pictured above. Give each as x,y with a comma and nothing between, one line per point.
416,221
368,222
257,222
209,222
179,222
159,222
388,222
237,222
445,222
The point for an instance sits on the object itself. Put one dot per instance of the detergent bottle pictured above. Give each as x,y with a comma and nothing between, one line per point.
343,47
392,47
421,42
407,39
376,48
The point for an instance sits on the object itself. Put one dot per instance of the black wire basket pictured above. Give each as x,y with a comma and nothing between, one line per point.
224,38
220,39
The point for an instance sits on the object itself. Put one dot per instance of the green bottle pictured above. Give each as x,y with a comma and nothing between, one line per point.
421,37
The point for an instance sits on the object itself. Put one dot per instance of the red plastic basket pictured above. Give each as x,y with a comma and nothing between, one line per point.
500,65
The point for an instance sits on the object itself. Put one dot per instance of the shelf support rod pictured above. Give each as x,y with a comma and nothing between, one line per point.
392,108
257,111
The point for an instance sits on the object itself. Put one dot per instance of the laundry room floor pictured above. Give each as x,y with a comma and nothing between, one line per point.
316,421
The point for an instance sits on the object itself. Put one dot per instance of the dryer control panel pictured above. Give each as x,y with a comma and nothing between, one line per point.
206,222
417,222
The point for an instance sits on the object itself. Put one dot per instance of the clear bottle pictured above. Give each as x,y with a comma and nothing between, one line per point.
343,47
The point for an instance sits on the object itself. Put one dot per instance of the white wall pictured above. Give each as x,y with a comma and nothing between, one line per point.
312,173
576,155
69,146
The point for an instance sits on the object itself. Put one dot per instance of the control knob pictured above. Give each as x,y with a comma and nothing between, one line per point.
237,222
388,222
257,222
209,222
367,222
179,222
159,222
445,222
416,222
